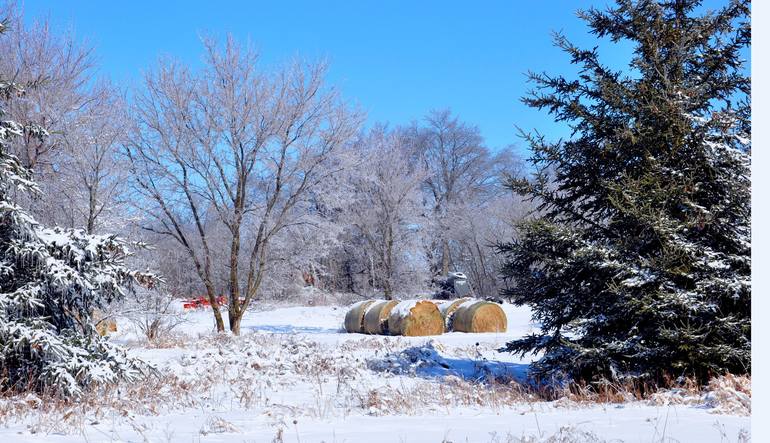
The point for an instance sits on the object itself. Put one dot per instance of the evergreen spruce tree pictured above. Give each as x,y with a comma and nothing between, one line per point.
637,264
50,281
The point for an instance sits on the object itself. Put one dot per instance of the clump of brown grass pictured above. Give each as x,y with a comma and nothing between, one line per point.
47,412
730,394
169,340
566,434
217,425
444,395
724,394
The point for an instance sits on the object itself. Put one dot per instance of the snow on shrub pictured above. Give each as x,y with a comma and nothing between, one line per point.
729,394
427,361
50,282
726,394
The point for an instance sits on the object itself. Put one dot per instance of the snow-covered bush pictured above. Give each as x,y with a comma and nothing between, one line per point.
154,313
725,394
50,281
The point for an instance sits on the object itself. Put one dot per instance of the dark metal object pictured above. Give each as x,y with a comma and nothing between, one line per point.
454,285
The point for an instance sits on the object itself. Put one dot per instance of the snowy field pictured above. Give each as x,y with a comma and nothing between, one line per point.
295,377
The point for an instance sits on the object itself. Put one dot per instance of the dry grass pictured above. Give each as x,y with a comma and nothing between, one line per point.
221,371
155,395
566,434
47,413
726,394
442,396
217,425
168,341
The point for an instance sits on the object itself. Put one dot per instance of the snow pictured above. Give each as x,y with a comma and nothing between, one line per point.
305,380
467,304
54,237
623,424
403,308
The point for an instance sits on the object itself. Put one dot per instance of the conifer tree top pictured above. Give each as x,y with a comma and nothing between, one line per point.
638,262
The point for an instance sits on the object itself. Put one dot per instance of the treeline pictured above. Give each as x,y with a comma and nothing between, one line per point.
256,182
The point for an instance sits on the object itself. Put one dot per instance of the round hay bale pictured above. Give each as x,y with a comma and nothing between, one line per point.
479,316
354,319
376,317
448,309
415,318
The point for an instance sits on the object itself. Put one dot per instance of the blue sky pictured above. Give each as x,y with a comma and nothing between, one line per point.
396,59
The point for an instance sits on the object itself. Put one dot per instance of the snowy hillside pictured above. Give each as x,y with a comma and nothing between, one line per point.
295,377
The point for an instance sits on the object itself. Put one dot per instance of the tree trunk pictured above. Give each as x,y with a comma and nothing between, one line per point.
235,323
388,290
215,307
92,202
234,309
388,283
444,257
351,284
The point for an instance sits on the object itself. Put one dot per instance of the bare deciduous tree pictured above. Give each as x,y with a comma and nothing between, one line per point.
237,147
93,172
384,209
463,173
76,165
60,69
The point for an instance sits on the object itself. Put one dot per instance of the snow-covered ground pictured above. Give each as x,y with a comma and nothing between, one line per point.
294,376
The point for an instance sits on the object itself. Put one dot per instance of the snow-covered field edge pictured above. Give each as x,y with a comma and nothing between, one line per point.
294,376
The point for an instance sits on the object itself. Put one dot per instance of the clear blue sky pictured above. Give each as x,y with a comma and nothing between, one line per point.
396,59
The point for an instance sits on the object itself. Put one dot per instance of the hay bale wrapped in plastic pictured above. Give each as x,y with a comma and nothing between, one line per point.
448,309
376,316
479,316
415,318
354,319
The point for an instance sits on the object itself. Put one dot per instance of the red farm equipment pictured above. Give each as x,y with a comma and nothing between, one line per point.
201,302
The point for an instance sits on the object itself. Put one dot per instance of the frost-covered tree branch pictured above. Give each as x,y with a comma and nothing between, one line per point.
233,146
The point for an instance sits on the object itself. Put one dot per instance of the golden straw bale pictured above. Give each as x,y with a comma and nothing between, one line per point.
376,317
354,319
415,318
479,316
448,309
